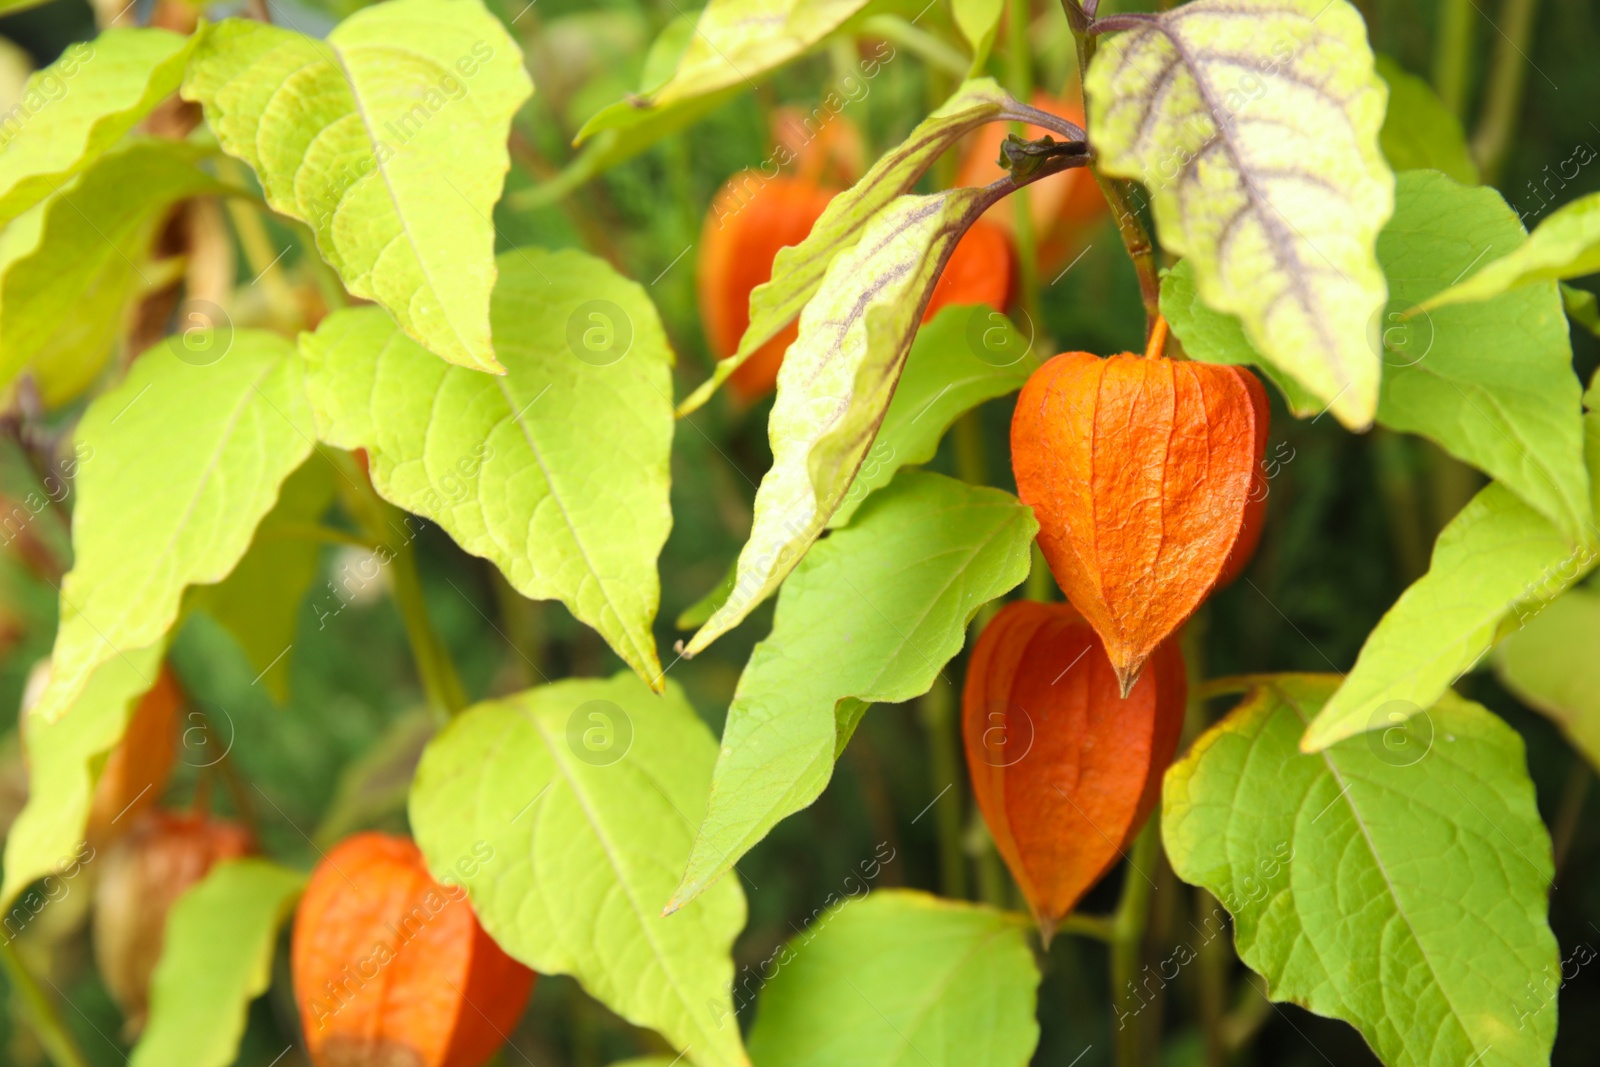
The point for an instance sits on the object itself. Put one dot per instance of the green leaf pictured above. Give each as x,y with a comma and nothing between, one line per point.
1496,559
259,603
1550,666
80,105
389,139
798,270
216,957
1254,124
1419,132
65,760
1565,245
734,41
1397,881
1581,307
557,472
79,260
586,794
183,462
1216,337
965,356
978,21
884,603
836,382
900,978
1511,407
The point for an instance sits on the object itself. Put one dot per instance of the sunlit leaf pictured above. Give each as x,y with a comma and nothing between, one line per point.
836,382
884,603
557,472
1254,125
1498,560
734,42
80,105
1565,245
1397,881
80,256
900,978
186,456
585,794
978,21
389,138
65,761
216,957
966,355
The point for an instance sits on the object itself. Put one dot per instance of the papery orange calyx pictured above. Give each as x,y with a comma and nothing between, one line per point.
391,967
1141,473
1064,768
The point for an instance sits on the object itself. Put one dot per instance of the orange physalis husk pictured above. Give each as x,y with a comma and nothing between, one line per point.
979,271
392,967
1140,472
751,218
1255,508
1063,206
1064,768
141,877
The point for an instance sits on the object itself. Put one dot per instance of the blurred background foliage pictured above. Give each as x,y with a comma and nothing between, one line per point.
1351,522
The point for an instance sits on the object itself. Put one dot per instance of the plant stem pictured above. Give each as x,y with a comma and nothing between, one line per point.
1452,54
1136,239
1508,73
265,262
47,1025
382,521
1127,942
1019,78
938,718
1213,975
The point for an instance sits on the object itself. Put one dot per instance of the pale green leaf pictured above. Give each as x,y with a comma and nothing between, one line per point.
1254,124
556,472
1397,881
798,270
1565,245
11,6
1497,559
734,42
389,138
836,382
80,105
1550,665
1215,337
65,760
586,792
259,603
184,461
901,979
884,603
83,255
1419,132
1490,382
1510,408
978,21
965,356
216,957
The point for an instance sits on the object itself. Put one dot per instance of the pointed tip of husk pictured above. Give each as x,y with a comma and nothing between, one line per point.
1128,676
1047,931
